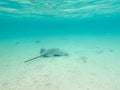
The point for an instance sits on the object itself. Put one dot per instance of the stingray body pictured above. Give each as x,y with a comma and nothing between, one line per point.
49,53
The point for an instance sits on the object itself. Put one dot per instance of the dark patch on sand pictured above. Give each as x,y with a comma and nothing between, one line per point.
37,41
111,50
5,84
17,42
98,47
48,84
84,59
100,52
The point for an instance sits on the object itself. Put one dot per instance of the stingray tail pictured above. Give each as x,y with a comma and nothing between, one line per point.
32,59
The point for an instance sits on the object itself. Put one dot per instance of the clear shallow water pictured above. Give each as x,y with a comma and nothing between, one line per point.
93,62
55,8
22,27
35,18
88,30
31,18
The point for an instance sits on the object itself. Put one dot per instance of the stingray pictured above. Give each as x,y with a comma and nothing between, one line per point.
49,53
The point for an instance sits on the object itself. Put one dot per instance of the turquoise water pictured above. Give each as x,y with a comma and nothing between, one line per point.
24,27
53,17
89,30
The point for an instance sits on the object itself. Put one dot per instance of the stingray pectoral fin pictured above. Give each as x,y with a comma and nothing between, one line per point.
32,59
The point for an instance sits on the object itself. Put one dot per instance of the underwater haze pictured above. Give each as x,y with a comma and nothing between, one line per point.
67,16
88,30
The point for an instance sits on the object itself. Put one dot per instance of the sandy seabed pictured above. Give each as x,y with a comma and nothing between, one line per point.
93,63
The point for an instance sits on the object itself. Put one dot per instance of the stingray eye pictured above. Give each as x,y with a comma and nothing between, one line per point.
42,50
